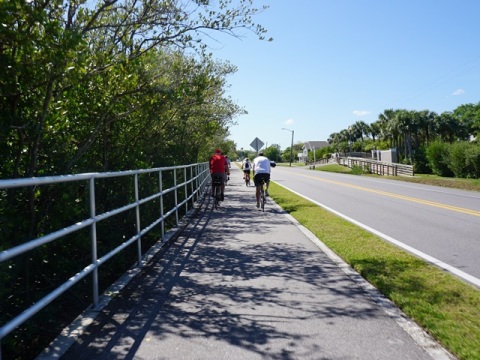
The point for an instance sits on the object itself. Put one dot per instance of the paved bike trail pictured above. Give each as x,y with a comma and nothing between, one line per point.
239,283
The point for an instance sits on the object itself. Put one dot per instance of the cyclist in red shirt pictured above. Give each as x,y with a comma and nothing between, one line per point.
219,166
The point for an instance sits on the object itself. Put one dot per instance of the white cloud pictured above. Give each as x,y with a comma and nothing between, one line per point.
361,112
289,122
458,92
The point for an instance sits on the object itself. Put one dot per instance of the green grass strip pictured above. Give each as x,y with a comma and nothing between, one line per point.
443,305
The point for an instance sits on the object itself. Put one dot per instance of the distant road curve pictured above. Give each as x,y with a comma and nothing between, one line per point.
438,224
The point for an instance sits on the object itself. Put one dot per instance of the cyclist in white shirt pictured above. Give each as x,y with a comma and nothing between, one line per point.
261,171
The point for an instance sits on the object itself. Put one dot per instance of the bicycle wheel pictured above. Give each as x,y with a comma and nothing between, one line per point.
217,194
262,198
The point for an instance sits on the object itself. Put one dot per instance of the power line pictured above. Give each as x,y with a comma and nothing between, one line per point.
456,72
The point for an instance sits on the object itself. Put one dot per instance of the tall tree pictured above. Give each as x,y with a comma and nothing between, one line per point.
469,116
75,73
405,122
426,126
273,152
374,130
448,127
387,129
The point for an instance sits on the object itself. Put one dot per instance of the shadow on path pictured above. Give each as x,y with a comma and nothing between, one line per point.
238,283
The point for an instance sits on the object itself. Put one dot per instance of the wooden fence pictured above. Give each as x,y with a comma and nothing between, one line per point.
377,167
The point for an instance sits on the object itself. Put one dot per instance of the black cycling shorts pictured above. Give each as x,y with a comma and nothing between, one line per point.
257,179
223,177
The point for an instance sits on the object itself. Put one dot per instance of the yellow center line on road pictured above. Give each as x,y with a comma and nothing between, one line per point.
402,197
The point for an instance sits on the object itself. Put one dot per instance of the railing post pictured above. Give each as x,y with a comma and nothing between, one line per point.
205,178
160,186
175,194
200,180
202,170
93,241
185,188
139,229
192,186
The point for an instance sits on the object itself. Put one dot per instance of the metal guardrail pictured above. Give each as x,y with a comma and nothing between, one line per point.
377,167
195,176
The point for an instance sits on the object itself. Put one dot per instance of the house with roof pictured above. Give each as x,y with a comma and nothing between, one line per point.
310,146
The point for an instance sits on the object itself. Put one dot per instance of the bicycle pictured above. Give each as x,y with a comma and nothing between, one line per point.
247,179
217,191
263,198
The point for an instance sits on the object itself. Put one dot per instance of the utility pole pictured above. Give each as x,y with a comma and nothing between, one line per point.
291,146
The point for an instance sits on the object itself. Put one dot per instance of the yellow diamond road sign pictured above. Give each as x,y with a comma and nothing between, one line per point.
256,144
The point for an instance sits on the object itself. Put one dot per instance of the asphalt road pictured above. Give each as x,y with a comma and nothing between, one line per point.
438,223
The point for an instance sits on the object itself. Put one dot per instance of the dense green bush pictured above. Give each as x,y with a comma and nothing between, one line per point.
438,158
457,161
460,159
472,160
420,162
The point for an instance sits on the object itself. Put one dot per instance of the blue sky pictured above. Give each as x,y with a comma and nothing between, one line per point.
335,62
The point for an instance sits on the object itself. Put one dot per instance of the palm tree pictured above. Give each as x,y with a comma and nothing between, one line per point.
407,124
374,130
343,141
387,130
426,126
360,129
449,127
